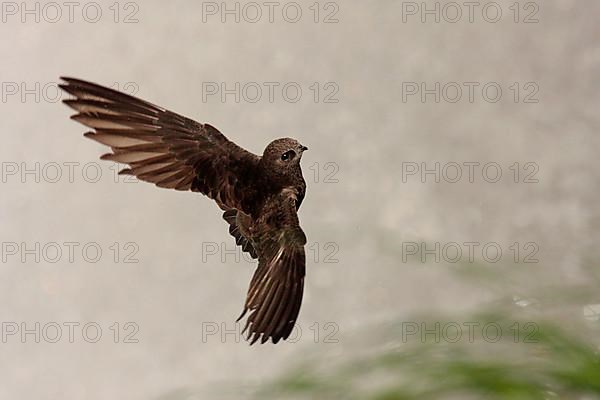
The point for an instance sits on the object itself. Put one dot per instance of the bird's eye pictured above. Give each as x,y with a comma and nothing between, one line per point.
288,155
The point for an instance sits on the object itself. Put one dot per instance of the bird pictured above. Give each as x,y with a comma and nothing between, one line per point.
258,195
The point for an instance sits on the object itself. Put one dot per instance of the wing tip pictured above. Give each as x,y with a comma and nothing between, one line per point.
107,157
79,117
70,80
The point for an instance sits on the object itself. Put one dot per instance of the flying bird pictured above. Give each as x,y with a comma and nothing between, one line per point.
259,195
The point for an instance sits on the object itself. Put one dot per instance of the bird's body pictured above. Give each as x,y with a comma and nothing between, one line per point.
259,195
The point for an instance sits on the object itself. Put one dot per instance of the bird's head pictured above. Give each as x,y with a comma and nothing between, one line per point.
284,153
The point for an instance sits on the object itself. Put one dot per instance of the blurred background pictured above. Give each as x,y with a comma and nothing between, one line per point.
452,182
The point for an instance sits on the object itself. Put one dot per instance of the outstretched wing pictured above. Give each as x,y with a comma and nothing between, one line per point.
275,292
162,147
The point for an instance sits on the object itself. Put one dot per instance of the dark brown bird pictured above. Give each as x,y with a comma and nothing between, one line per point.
260,196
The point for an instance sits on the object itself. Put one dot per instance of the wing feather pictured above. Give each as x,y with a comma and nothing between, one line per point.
275,292
163,147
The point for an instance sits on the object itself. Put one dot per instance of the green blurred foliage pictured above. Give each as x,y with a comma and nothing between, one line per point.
547,350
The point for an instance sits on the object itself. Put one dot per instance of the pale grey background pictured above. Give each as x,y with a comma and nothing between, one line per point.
171,292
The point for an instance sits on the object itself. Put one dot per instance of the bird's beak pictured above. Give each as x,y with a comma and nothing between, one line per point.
303,148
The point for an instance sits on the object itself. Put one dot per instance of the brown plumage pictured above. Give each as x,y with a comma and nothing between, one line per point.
259,195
